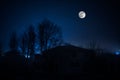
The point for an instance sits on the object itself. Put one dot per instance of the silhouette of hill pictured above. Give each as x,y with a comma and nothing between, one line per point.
70,62
67,61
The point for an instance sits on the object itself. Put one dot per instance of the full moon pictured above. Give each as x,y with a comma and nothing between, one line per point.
82,14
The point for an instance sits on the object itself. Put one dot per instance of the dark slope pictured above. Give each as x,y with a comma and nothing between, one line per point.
75,62
68,61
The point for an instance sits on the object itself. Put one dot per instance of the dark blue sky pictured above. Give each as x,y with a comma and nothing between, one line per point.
101,23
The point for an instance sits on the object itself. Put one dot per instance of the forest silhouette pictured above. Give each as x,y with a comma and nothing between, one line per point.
57,60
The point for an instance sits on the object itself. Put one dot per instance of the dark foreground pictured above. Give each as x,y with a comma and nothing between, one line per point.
61,64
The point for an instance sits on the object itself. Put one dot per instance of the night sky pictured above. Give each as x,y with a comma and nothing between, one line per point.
101,23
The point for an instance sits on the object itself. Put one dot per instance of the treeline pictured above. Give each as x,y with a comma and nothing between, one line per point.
47,35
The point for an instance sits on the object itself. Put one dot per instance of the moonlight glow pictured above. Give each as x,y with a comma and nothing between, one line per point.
82,14
117,52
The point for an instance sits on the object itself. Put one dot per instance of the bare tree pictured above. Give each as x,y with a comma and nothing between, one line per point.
24,43
50,35
13,44
93,45
31,40
96,47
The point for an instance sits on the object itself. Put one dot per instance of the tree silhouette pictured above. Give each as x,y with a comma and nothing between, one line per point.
13,44
31,40
93,45
24,43
50,35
